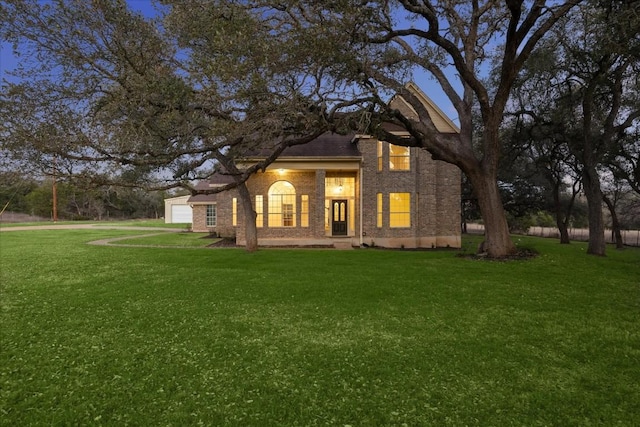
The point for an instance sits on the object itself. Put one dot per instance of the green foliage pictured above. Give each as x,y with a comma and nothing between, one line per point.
14,190
138,336
39,201
520,224
34,197
543,219
119,98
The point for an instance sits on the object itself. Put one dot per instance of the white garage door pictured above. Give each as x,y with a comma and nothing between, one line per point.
181,214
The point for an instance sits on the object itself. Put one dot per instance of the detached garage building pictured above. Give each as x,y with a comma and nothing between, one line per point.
177,210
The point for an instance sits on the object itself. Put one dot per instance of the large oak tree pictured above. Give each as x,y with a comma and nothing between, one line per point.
383,43
116,97
584,91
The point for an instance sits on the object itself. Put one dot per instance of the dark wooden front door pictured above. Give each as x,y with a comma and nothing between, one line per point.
339,217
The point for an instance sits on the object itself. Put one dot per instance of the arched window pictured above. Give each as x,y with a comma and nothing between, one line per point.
282,204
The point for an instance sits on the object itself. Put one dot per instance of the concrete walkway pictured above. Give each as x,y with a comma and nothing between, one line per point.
112,241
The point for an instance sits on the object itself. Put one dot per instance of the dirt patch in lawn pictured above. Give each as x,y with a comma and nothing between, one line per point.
521,254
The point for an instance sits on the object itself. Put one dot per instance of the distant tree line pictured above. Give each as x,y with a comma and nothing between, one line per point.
531,201
31,196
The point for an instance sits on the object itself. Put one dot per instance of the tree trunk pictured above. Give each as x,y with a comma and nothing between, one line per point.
251,231
564,232
591,183
561,219
615,224
497,243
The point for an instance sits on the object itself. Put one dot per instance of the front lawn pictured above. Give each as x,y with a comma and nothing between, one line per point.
179,240
155,223
104,335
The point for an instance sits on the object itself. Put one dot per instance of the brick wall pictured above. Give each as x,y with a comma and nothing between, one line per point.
304,182
224,226
435,199
434,187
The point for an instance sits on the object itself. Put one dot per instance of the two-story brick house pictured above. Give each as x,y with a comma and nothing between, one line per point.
346,190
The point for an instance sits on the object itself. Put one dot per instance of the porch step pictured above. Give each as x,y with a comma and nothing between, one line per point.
346,245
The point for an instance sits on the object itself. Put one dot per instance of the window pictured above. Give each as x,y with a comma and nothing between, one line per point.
399,158
234,212
211,216
259,211
287,214
379,211
304,210
399,210
380,145
282,204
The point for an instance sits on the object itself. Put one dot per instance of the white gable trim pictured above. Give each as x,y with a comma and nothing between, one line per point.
442,122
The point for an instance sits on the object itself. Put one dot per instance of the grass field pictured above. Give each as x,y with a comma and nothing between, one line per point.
104,335
178,240
157,223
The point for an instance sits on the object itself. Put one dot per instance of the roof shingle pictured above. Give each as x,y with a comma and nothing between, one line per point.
326,145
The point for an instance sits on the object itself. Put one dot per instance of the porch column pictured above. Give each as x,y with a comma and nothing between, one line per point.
318,203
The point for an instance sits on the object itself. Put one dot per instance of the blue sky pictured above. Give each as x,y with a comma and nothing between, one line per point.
8,62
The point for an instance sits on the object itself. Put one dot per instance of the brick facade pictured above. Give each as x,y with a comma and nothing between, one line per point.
433,188
224,215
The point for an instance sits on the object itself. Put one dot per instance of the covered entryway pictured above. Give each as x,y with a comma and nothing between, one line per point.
339,204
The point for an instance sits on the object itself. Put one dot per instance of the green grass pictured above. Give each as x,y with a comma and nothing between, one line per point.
36,223
158,223
179,240
101,335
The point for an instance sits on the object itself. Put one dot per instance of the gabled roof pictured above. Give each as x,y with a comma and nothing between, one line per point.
332,146
441,121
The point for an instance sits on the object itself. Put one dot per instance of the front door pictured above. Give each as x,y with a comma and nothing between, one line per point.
339,217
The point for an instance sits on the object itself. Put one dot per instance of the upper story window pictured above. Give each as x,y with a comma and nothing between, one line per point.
282,204
399,158
379,154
